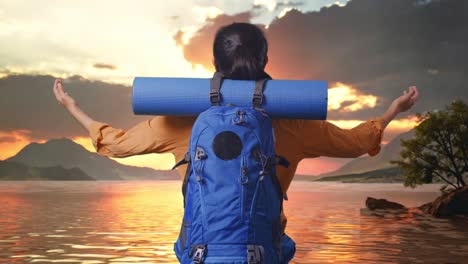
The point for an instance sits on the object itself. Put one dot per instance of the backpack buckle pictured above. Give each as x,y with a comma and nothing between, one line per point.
239,118
200,154
199,253
215,87
255,254
215,97
257,100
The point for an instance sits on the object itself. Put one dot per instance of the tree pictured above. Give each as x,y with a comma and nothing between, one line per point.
439,148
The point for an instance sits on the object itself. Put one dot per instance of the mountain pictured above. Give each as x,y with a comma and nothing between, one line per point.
389,152
388,175
10,170
68,154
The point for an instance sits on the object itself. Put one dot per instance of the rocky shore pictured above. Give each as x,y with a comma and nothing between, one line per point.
449,204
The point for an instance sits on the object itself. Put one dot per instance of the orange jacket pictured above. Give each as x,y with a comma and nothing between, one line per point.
295,140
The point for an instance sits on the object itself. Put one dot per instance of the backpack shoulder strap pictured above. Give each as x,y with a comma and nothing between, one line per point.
215,87
257,99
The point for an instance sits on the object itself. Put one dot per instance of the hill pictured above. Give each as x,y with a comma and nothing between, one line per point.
389,152
10,170
388,175
68,154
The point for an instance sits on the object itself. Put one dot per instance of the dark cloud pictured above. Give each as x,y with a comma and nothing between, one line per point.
104,66
28,103
379,46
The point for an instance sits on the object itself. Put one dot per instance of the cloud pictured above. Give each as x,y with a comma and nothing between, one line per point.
378,47
344,98
395,127
422,2
104,66
28,104
198,48
66,38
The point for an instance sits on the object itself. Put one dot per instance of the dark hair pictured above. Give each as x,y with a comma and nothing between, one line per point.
240,52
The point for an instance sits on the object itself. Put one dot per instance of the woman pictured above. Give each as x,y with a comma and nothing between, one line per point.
240,52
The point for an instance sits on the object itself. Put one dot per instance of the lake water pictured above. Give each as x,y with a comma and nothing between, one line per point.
137,222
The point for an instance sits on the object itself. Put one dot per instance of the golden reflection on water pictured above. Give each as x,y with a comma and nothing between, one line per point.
138,222
106,222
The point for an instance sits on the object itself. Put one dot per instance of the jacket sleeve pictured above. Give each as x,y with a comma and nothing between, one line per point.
157,135
322,138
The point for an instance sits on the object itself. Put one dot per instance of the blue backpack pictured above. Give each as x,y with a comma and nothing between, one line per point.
232,197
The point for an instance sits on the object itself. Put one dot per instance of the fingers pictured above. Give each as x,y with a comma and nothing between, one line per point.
410,93
58,91
416,93
59,86
413,95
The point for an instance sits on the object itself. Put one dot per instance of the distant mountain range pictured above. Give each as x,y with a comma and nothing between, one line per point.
388,175
14,171
364,164
70,157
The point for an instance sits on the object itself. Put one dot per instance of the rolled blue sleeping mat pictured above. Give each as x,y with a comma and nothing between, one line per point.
292,99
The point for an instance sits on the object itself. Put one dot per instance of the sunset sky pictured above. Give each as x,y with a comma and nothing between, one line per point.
98,47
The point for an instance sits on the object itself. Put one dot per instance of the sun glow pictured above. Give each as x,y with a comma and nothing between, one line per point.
345,98
12,142
400,125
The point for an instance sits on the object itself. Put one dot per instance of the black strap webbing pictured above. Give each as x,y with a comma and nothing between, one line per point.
257,99
186,160
215,87
185,183
282,161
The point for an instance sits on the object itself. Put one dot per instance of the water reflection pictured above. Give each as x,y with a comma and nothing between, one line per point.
329,227
137,222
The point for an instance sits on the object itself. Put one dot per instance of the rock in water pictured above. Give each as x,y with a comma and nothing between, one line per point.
373,204
454,202
424,207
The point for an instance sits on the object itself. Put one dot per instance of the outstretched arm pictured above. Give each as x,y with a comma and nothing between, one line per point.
322,138
401,104
156,135
69,103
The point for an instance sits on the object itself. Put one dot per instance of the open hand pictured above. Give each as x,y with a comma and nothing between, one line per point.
62,97
406,101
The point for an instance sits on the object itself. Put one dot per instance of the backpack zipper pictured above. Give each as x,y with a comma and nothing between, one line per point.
199,179
243,180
